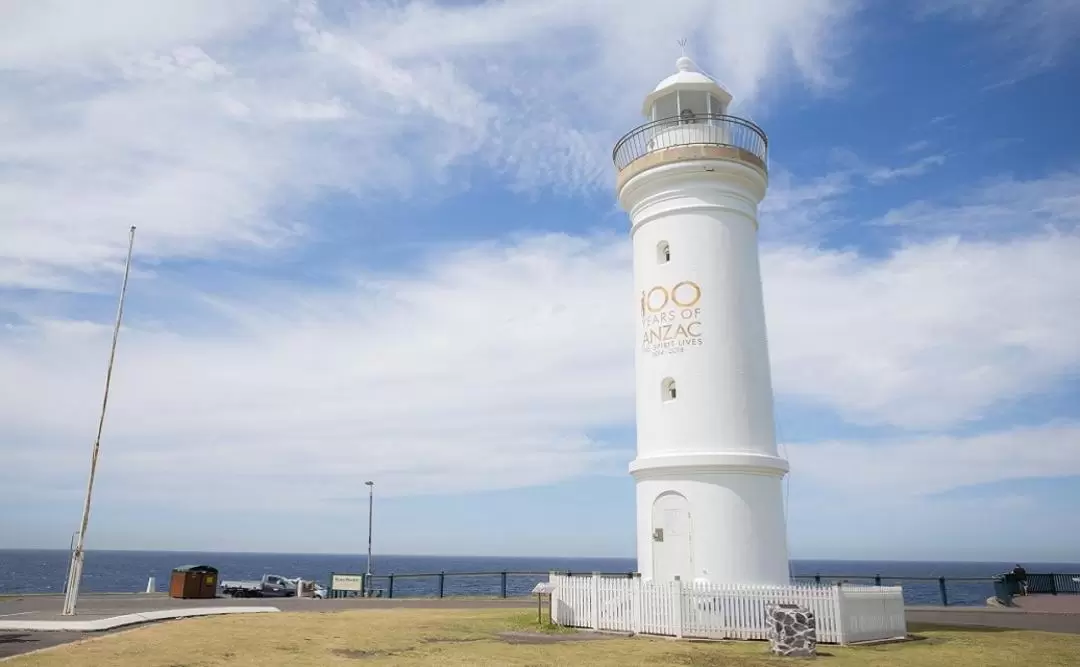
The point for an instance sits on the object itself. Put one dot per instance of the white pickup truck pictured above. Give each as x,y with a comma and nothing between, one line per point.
270,586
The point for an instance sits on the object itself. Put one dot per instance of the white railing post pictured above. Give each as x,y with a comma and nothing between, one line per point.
677,603
636,603
595,591
553,599
838,610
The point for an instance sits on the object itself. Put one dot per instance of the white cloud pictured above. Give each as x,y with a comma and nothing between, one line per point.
807,209
75,37
188,61
70,35
208,125
893,522
490,371
922,466
917,168
929,337
496,365
917,146
802,210
1032,35
1000,207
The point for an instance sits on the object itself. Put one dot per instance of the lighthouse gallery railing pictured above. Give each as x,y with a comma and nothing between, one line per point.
691,130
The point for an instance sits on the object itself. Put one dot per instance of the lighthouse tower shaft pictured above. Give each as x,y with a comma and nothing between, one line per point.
708,476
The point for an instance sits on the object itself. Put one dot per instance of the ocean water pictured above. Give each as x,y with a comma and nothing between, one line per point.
45,571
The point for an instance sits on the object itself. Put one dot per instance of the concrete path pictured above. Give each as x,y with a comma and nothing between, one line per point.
47,607
99,622
996,617
1052,604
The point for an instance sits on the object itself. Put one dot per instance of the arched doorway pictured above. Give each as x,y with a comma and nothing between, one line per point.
672,538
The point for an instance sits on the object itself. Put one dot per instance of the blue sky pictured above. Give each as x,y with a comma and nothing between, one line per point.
380,241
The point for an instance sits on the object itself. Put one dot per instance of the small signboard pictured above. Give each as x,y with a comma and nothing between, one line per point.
543,588
347,582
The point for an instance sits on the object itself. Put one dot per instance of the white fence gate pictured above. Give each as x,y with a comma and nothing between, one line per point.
843,614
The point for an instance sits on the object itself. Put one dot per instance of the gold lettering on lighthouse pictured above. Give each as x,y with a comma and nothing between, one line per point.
670,318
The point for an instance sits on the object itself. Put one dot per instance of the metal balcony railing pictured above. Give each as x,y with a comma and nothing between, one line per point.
691,130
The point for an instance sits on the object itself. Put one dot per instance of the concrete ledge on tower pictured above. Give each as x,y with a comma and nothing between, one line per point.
696,137
727,462
687,154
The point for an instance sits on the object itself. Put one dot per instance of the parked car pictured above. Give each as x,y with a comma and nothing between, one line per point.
270,586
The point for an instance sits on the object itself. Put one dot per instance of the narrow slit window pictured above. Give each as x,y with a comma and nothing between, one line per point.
663,252
668,391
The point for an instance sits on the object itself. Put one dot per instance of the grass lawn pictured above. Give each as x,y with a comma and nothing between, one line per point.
365,638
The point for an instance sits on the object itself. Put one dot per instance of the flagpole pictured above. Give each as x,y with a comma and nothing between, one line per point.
71,594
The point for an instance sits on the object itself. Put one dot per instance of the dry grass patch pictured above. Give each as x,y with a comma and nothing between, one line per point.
368,638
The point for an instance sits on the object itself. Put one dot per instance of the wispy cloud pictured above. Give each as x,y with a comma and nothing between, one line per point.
918,168
931,337
916,146
496,365
931,465
213,126
1004,206
805,210
1030,35
491,370
209,126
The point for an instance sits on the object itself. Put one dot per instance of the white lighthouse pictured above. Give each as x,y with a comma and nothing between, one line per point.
709,479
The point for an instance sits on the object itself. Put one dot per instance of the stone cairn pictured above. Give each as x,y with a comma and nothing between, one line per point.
792,631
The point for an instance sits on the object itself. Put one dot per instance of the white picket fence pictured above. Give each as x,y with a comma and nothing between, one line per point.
843,614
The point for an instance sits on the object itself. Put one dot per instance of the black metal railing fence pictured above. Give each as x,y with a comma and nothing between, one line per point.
701,129
948,591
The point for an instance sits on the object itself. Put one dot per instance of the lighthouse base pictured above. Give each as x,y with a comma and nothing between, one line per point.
715,525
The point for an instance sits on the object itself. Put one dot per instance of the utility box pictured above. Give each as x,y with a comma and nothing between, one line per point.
1003,589
194,581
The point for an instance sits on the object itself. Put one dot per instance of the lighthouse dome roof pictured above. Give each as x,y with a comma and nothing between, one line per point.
688,77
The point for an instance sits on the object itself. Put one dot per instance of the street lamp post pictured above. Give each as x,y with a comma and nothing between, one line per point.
371,513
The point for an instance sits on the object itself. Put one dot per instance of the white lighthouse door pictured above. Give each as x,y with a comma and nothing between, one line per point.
671,538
